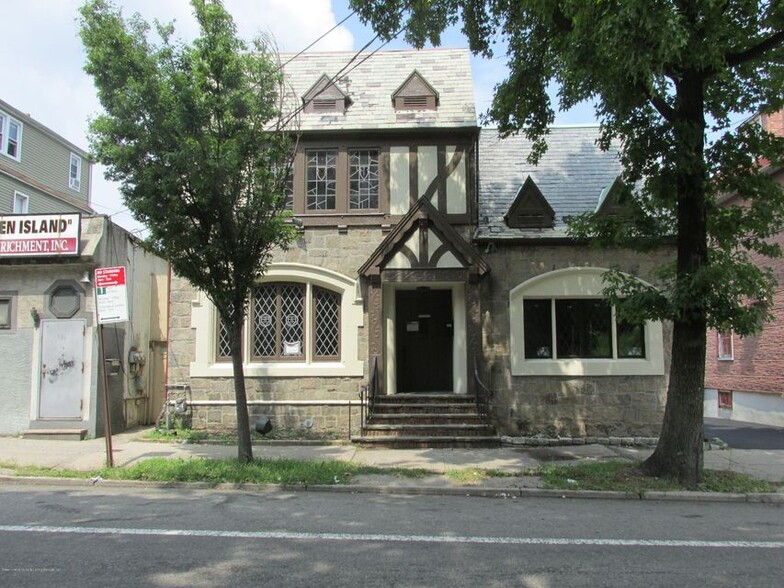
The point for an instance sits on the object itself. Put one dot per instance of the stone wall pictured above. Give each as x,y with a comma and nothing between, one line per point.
342,252
576,406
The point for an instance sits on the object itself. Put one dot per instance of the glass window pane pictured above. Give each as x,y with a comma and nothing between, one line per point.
363,179
223,350
5,313
631,340
537,325
327,316
583,328
265,321
292,312
321,180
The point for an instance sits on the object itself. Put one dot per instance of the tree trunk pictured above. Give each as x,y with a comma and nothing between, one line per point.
679,453
244,445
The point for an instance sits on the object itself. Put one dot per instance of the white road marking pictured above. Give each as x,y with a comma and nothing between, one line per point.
388,538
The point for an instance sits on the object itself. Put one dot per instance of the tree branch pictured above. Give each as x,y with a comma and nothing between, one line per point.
758,50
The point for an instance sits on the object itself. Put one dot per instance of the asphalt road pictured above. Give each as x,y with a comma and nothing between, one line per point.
151,537
740,435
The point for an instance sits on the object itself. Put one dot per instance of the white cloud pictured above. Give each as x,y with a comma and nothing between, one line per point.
41,58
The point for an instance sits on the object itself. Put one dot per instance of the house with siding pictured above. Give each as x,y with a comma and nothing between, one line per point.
744,377
51,243
40,171
433,294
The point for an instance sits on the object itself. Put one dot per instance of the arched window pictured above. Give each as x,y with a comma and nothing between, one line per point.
562,325
302,320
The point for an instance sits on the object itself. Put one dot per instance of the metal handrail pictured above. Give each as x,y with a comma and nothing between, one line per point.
484,395
369,392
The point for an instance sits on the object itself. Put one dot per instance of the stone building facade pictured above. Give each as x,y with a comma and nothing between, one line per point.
427,247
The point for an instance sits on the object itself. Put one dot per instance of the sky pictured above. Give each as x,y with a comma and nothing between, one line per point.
42,60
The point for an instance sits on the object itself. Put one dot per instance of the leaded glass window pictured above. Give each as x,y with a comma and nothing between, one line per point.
288,321
321,179
327,323
223,347
363,178
278,321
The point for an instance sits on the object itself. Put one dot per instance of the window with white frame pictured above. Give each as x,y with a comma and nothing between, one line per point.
302,321
562,325
75,172
10,136
725,347
21,203
289,321
558,328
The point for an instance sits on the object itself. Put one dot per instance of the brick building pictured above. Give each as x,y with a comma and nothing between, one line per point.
744,377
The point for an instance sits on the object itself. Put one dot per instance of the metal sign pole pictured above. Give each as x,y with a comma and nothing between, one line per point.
107,423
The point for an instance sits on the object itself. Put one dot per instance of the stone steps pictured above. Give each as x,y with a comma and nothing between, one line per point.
427,420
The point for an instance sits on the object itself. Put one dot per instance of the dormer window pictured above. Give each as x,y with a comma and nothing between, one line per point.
613,199
415,94
325,97
530,210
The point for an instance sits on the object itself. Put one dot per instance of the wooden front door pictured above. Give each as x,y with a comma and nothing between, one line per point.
424,328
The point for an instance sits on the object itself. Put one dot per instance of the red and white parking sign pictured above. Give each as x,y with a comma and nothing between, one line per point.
111,296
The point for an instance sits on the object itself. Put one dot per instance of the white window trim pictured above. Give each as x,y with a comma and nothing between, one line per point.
724,356
204,322
18,196
75,183
576,283
5,124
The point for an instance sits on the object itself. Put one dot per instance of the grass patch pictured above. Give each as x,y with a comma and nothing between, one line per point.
177,435
269,471
628,477
467,476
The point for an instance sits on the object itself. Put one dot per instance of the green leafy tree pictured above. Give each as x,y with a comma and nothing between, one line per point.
664,75
193,134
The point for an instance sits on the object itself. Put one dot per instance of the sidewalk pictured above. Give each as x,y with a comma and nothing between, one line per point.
128,449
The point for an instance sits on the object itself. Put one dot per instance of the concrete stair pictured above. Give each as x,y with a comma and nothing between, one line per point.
427,420
55,434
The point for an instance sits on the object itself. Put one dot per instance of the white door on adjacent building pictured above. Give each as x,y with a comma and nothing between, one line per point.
62,369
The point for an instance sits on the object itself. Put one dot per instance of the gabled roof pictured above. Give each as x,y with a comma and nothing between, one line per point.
612,198
415,87
371,79
571,176
448,250
324,90
530,210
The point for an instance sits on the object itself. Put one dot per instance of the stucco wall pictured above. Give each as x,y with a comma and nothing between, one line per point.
15,382
569,405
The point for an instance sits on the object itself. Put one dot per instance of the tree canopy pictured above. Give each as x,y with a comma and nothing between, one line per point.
193,134
667,79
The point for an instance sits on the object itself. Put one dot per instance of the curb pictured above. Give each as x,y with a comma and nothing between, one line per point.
467,491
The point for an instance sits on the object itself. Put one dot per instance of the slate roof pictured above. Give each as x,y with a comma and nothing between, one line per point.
571,176
370,86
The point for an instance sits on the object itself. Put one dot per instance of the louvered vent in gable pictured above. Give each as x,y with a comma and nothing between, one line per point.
324,96
530,210
415,94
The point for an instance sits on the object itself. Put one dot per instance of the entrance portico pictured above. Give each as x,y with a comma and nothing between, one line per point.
423,306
